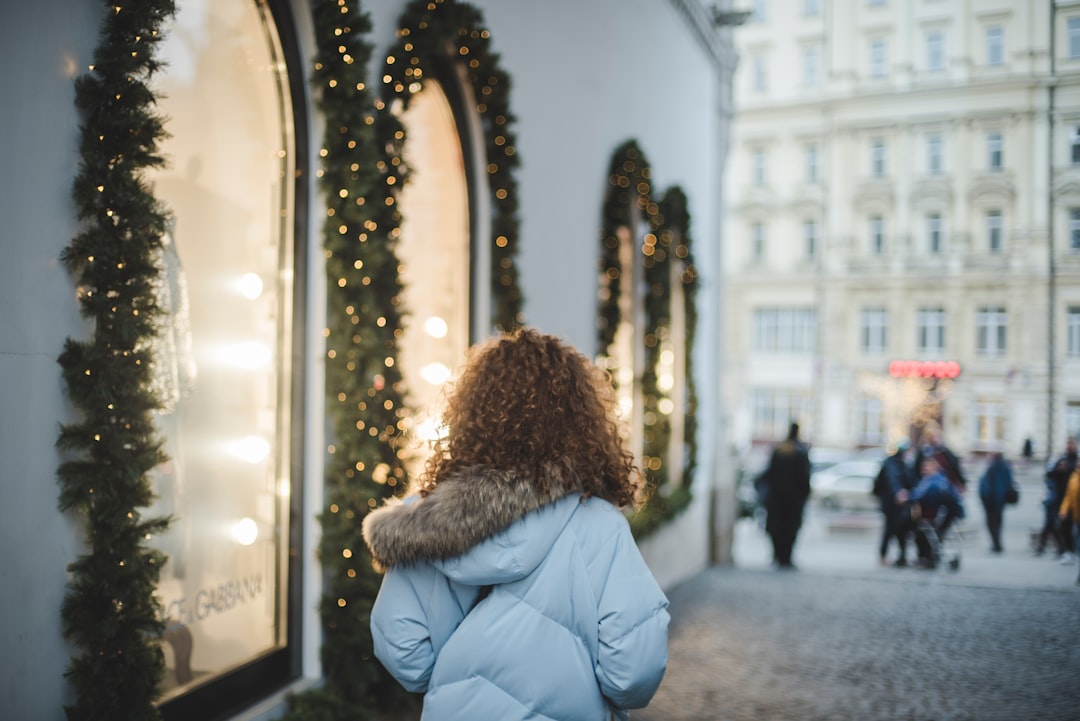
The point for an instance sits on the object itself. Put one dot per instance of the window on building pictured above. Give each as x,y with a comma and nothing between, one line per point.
757,241
810,237
934,153
934,233
789,330
1074,228
935,51
877,157
1072,320
991,324
877,234
812,160
1074,145
930,327
1072,419
1074,37
995,149
994,231
995,45
873,330
811,57
760,169
879,60
811,8
759,75
875,3
989,425
773,409
869,421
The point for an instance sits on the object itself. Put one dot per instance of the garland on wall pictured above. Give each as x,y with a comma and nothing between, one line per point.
363,383
440,32
111,614
666,241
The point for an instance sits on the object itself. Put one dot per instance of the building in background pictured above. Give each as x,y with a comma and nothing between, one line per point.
256,333
904,223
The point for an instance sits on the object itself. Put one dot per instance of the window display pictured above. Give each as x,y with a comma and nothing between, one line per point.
224,354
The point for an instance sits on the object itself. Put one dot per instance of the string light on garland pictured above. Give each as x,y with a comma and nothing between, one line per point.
437,33
629,195
111,614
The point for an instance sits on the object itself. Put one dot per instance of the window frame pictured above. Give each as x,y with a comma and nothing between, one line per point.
874,330
991,331
930,326
995,45
995,150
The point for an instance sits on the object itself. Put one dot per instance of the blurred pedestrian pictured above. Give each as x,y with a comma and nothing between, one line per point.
994,486
893,487
1070,504
515,589
947,461
1057,479
787,480
935,505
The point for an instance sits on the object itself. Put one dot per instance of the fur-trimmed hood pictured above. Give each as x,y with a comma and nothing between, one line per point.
461,513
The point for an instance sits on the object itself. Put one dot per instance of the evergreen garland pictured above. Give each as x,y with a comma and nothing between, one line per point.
667,241
364,387
110,613
434,32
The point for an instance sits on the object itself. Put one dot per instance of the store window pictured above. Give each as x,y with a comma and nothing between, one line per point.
232,423
434,248
989,425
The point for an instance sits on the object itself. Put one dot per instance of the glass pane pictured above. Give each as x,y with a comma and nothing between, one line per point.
435,242
223,360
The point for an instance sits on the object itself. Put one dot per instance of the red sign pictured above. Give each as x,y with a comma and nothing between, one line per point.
924,369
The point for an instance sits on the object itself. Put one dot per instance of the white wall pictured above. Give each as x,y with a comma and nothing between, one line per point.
48,43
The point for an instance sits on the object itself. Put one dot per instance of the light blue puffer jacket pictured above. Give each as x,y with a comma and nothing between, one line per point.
573,629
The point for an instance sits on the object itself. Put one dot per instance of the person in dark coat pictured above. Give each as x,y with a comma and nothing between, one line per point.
994,484
1057,479
892,488
788,482
947,461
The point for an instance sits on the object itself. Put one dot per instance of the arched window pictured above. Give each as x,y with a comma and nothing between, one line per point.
226,356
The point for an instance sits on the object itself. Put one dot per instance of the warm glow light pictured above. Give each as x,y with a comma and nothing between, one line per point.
436,327
666,406
250,286
435,373
245,531
250,355
253,449
431,429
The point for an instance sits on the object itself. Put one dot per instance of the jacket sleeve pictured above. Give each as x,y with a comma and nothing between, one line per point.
416,611
633,628
1070,505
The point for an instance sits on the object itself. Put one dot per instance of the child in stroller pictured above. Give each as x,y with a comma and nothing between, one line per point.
935,506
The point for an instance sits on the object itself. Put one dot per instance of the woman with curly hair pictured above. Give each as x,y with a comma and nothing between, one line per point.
513,588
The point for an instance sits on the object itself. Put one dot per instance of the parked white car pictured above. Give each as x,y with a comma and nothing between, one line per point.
846,485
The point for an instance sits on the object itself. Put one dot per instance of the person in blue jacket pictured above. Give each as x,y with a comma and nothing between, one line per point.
994,485
513,586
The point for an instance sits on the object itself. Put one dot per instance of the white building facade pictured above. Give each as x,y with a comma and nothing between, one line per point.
902,237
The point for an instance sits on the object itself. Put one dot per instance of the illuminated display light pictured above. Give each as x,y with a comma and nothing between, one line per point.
924,369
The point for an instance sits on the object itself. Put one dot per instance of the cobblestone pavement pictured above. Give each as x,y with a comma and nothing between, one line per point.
842,638
778,646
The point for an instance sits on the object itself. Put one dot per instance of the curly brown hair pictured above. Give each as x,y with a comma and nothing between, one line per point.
530,403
